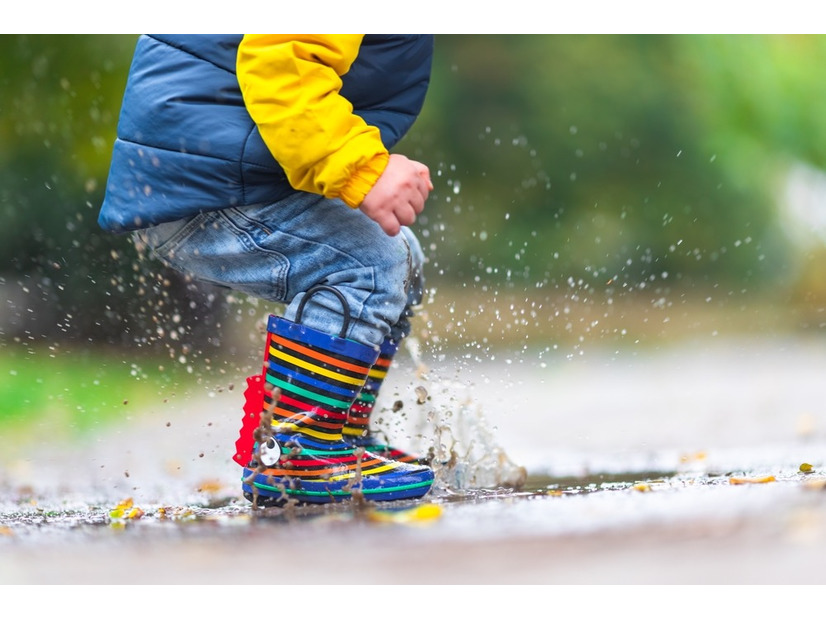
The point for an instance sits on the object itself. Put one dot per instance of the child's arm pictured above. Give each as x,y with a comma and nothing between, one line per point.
291,86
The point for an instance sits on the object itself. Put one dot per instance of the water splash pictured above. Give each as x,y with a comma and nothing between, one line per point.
449,426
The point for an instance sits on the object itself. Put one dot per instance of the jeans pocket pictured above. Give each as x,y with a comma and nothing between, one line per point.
164,238
214,249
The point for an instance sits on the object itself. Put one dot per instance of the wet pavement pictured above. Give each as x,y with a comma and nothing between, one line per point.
678,465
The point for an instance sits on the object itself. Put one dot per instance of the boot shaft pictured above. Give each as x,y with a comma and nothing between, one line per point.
318,377
358,418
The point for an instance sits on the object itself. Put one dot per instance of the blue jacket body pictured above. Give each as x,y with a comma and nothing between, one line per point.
186,143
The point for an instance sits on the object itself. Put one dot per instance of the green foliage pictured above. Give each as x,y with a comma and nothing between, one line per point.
59,114
41,390
617,158
760,93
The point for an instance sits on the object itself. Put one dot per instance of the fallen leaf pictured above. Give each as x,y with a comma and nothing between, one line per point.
760,480
696,456
126,510
210,486
419,515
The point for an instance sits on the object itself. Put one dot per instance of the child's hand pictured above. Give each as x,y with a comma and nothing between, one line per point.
399,194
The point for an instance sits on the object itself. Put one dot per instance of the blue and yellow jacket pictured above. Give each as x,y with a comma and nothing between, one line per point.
213,121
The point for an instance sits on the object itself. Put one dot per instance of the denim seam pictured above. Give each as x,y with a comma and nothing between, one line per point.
180,237
364,303
252,222
245,238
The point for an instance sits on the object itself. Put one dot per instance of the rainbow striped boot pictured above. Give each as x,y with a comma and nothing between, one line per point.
357,428
291,444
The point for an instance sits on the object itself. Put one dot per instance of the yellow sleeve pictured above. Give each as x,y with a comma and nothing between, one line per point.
291,87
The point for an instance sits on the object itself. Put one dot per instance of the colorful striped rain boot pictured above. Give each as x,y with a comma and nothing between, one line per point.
357,428
297,451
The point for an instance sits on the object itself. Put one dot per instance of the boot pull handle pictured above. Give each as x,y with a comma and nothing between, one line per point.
344,305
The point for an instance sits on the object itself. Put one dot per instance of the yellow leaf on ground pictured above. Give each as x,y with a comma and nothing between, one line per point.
126,510
761,480
412,516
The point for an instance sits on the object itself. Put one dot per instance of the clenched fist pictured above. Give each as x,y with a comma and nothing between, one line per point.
399,194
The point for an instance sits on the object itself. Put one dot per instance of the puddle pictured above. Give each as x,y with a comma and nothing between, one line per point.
594,482
31,520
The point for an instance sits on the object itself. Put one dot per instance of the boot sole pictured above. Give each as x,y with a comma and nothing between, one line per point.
279,491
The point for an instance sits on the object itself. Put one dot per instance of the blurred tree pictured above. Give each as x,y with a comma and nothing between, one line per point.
589,156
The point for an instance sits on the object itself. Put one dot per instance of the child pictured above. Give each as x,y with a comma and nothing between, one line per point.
261,163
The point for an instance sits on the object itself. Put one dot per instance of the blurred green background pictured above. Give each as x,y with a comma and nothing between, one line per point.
590,191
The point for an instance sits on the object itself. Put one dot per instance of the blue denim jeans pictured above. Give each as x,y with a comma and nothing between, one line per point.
278,251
